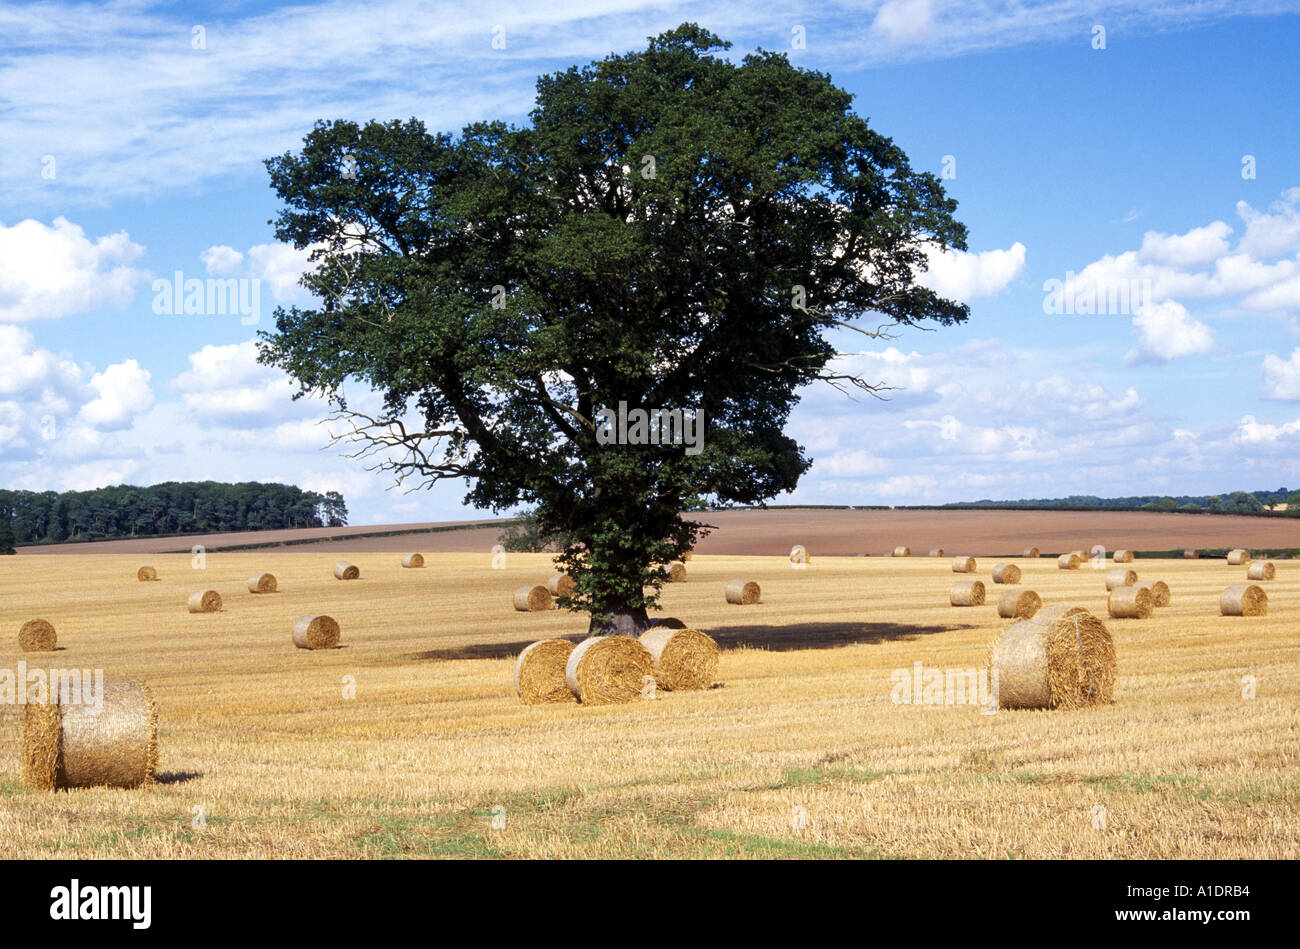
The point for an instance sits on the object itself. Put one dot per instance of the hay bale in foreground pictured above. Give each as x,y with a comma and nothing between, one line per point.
413,561
606,670
346,571
205,601
1019,604
534,599
1160,595
37,635
743,592
1031,553
1261,570
1068,561
539,673
69,746
316,632
1123,556
967,593
902,551
1122,577
937,552
1065,662
1130,603
684,659
146,573
1238,557
1246,600
1006,573
262,583
963,564
560,584
677,572
1191,554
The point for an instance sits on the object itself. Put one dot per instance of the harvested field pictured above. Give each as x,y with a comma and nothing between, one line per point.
288,766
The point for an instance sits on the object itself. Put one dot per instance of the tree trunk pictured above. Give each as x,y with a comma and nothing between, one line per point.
625,622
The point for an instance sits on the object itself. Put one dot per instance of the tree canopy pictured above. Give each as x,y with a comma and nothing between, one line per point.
670,231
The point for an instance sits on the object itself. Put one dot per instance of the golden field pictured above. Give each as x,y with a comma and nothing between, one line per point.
798,752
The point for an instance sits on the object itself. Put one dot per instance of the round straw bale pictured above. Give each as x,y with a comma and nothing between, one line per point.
1006,573
560,584
1120,577
73,745
205,601
1246,600
902,551
1082,555
684,659
146,573
963,564
346,571
743,592
412,561
1031,553
1191,553
1063,662
1261,570
262,583
799,554
535,599
670,622
539,673
316,632
967,593
37,635
1238,556
677,572
1019,604
937,552
1123,556
1068,561
687,555
1130,603
1160,595
605,670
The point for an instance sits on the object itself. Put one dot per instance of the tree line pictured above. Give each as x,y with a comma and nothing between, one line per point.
190,507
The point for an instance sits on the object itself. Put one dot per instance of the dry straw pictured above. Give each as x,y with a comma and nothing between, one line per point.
687,555
532,599
1247,600
539,673
346,571
1006,573
146,573
677,572
1123,556
1062,662
205,601
1031,552
1261,570
967,593
902,551
1238,557
1019,604
1160,595
560,584
73,746
1068,561
684,659
316,632
1130,603
37,635
412,561
963,564
262,583
606,670
937,552
743,592
1121,577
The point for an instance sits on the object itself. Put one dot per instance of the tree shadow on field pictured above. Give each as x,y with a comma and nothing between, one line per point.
784,638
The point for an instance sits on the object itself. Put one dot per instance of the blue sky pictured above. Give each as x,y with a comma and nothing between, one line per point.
130,154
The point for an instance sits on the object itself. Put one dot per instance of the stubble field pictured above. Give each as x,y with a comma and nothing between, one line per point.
799,751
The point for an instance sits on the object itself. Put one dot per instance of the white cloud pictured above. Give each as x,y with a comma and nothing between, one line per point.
221,260
1282,377
1251,432
904,21
29,370
49,272
1200,245
280,266
123,393
1167,331
226,385
1273,233
963,276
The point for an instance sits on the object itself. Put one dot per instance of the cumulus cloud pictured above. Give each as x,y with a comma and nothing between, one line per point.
1251,432
1282,377
1198,246
964,276
221,260
904,21
123,392
1167,331
51,271
226,386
